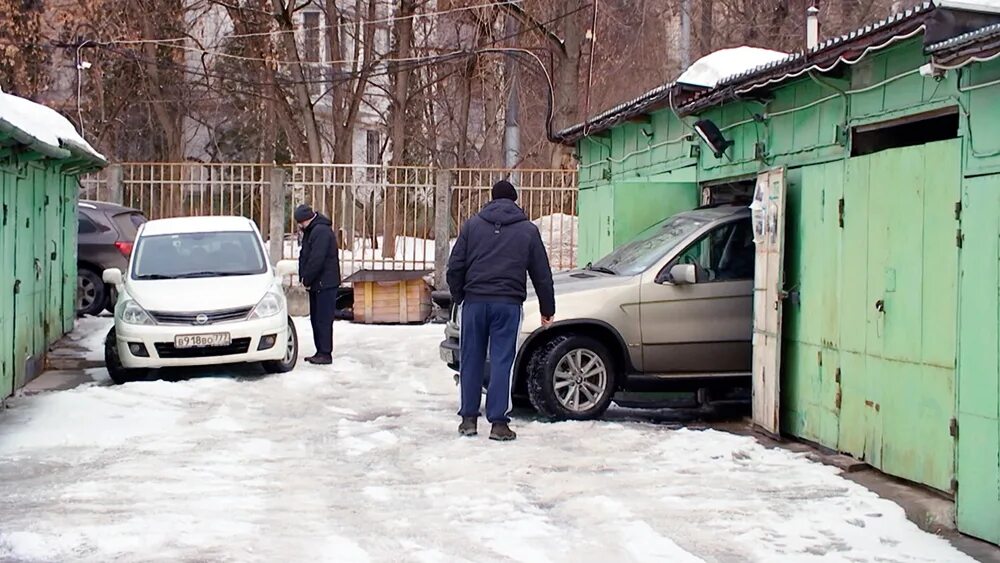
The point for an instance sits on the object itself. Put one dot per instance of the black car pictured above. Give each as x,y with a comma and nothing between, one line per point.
106,234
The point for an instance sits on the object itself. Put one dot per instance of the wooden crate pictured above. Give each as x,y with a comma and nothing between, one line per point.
391,297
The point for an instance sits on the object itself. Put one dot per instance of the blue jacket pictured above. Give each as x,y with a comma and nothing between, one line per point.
319,258
495,253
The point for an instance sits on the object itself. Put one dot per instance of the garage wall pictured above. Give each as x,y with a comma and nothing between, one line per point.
38,280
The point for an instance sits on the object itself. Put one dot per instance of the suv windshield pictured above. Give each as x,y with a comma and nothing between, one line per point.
650,246
198,255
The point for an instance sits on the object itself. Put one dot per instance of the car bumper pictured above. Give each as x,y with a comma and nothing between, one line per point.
451,351
158,340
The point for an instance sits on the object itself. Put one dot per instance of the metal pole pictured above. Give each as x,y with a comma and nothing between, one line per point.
276,230
442,226
685,39
512,129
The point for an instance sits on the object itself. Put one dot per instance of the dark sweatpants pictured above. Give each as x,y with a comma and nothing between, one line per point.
494,325
322,306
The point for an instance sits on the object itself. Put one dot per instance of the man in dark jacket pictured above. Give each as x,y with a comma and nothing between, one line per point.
487,274
319,270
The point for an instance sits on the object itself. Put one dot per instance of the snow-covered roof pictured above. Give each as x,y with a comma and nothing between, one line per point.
43,129
713,68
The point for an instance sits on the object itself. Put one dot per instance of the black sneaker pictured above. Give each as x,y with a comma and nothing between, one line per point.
468,426
502,433
320,360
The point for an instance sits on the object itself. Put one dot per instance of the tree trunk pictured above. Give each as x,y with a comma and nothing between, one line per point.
397,118
567,80
300,88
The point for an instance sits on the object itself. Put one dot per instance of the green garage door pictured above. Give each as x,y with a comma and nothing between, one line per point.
899,272
978,502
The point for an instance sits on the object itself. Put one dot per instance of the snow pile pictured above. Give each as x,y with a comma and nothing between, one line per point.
42,123
360,461
709,70
559,233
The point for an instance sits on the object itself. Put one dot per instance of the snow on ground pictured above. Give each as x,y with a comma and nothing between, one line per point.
713,67
361,462
42,123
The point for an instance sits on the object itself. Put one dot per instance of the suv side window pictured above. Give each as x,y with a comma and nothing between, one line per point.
726,253
85,225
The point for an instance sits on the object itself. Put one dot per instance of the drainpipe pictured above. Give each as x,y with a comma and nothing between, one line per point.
812,26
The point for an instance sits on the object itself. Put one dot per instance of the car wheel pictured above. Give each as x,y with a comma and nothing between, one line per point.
91,295
119,373
572,377
287,363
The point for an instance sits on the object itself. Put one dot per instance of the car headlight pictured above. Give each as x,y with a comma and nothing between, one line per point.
269,306
131,313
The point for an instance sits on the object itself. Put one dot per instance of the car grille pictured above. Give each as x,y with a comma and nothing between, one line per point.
167,350
211,317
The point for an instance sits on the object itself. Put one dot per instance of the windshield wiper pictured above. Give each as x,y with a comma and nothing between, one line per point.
210,274
600,269
155,277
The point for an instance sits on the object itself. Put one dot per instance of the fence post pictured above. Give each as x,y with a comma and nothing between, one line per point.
116,188
442,226
276,228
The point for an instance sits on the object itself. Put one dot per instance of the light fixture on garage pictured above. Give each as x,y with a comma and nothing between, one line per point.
710,133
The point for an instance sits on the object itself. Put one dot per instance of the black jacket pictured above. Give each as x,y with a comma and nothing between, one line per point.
495,252
319,259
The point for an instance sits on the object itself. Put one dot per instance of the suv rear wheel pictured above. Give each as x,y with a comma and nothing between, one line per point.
91,295
572,377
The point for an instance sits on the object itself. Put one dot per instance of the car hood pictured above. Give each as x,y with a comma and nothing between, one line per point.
580,280
200,294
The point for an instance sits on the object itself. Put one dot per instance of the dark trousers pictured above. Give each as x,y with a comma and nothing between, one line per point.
492,326
322,305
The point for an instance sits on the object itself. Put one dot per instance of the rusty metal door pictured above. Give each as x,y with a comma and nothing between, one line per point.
769,235
6,284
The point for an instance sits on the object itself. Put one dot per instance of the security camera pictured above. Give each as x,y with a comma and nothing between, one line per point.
930,70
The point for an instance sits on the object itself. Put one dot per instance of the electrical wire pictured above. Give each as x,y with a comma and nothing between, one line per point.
269,33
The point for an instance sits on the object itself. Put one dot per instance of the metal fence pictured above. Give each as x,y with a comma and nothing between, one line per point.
387,218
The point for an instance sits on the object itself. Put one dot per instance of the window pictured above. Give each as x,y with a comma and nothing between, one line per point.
198,255
85,225
905,132
373,154
650,246
128,223
724,254
311,50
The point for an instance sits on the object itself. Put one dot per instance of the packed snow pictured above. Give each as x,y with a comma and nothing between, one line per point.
42,123
361,462
709,70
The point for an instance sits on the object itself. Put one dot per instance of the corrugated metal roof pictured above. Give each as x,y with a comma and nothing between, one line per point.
856,35
795,62
965,39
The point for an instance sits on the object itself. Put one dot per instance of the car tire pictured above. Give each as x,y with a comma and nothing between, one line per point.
91,294
287,363
119,374
572,377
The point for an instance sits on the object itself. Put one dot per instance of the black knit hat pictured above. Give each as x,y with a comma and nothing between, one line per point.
504,190
304,213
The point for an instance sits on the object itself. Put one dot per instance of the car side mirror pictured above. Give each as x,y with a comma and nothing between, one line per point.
285,268
113,276
683,274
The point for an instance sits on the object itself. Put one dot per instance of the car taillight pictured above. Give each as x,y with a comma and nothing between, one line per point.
125,248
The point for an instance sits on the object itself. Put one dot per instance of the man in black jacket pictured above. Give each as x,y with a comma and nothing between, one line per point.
319,270
487,274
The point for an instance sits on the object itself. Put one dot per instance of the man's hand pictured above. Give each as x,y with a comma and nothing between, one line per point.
546,321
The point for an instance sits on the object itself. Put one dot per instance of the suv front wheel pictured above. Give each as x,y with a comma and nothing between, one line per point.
571,377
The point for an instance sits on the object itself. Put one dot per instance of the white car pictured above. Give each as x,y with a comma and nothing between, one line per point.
199,291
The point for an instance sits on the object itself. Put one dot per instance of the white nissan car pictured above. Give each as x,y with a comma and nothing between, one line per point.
199,291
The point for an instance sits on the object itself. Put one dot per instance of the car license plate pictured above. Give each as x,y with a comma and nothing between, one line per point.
202,340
